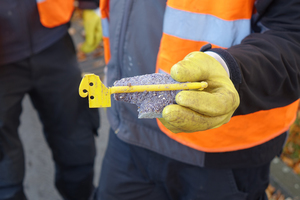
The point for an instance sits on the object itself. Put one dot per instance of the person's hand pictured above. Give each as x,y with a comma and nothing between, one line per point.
201,110
93,30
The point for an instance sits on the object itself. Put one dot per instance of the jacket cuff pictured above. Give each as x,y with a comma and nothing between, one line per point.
235,72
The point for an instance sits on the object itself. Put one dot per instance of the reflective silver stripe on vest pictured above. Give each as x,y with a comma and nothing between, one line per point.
105,25
203,27
40,1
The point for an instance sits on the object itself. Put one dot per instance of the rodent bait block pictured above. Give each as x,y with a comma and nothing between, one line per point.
150,104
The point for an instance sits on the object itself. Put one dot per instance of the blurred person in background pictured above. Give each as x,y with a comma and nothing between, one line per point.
215,144
38,58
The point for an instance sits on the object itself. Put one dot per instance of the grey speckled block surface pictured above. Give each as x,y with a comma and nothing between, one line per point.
150,104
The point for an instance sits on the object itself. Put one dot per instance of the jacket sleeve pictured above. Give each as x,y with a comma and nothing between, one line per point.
265,67
88,4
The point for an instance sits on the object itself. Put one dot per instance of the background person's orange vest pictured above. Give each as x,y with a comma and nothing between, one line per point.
55,12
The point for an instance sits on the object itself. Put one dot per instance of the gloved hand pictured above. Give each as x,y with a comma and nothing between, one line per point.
201,110
93,30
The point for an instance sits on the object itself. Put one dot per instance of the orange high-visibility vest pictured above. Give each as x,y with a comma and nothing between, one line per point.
190,24
55,12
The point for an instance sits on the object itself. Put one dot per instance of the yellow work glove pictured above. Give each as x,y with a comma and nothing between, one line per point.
93,30
201,110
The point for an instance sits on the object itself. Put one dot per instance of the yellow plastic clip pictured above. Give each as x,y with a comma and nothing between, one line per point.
99,95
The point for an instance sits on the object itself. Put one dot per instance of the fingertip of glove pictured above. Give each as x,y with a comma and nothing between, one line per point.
176,72
184,98
179,97
169,112
166,111
187,69
169,126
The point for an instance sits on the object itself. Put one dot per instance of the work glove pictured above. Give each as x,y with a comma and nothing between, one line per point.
93,30
201,110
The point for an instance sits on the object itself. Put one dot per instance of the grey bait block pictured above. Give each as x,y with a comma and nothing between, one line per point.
150,104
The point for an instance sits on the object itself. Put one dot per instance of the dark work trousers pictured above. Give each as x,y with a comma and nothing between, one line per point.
134,173
51,78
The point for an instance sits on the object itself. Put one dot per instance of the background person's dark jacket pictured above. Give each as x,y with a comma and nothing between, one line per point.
21,32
